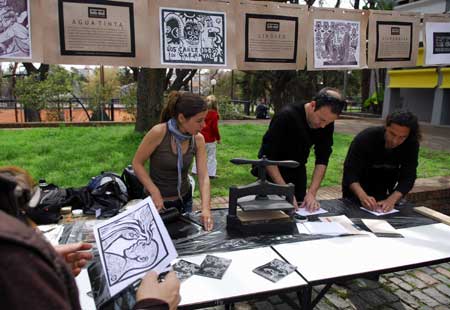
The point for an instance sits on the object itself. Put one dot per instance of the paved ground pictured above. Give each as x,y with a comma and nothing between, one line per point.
423,288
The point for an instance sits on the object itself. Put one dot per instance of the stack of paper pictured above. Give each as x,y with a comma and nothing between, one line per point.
382,228
351,228
321,228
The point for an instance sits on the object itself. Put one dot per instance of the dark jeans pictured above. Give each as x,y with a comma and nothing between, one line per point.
183,205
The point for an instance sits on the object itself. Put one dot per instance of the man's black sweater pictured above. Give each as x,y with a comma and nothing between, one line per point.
379,171
289,137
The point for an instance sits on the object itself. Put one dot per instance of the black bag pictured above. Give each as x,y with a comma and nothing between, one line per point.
134,186
108,194
48,209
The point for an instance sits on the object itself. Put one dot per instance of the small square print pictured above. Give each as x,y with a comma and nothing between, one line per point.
214,267
274,270
184,269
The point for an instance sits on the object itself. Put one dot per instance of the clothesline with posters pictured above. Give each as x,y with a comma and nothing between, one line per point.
219,34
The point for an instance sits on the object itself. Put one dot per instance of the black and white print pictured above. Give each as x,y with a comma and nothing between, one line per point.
214,267
15,33
193,37
184,269
274,270
132,243
336,43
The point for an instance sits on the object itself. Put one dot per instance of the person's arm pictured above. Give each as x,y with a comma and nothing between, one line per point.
367,201
203,180
322,151
75,255
355,163
154,295
277,178
148,145
388,204
407,177
310,202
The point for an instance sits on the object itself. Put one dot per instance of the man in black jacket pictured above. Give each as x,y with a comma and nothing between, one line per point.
380,167
292,133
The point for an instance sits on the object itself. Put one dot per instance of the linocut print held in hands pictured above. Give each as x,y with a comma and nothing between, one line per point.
132,243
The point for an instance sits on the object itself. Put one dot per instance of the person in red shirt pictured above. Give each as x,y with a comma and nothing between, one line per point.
212,136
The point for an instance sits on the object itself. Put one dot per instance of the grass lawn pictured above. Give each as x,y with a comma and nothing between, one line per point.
70,156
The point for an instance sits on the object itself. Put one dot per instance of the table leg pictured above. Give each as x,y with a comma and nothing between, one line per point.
305,295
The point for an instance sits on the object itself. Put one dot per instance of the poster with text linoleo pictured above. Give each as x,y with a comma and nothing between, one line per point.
393,39
338,39
97,32
20,31
271,36
191,34
437,39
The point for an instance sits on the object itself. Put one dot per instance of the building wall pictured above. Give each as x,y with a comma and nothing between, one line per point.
445,116
417,100
424,6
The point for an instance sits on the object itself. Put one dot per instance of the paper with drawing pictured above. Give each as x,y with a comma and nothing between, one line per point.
132,243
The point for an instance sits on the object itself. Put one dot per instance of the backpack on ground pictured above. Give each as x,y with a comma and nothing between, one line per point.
48,208
108,195
134,186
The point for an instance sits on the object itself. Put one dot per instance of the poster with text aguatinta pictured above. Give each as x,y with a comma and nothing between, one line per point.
338,39
20,31
192,34
97,32
271,36
393,39
437,39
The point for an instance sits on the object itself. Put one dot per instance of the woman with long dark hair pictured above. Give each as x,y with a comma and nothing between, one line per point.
170,148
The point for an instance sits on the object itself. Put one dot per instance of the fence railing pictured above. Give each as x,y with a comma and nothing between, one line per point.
67,110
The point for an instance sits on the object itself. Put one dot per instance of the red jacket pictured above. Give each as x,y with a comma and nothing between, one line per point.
211,129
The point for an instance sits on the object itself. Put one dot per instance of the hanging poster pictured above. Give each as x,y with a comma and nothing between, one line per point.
15,30
191,34
393,39
270,36
97,32
193,37
338,40
437,39
96,28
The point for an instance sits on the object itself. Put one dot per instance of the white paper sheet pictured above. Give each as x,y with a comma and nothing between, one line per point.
52,232
325,228
379,213
304,212
345,222
132,243
379,226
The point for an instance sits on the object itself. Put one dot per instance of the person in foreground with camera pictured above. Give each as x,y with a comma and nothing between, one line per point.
35,275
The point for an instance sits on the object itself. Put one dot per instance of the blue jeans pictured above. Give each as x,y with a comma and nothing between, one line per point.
183,205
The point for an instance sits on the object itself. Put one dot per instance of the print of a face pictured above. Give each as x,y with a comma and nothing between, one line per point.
192,33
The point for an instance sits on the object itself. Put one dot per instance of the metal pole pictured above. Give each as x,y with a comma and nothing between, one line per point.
199,81
102,84
232,85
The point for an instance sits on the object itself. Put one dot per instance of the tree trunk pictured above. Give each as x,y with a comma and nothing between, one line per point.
150,97
365,85
31,113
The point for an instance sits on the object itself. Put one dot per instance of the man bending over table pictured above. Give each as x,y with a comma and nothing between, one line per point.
380,167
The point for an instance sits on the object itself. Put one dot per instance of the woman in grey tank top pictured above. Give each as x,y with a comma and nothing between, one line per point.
170,147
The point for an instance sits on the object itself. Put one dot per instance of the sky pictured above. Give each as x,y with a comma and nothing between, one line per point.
345,4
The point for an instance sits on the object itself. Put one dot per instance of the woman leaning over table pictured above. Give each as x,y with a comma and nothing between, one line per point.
170,147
